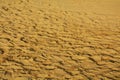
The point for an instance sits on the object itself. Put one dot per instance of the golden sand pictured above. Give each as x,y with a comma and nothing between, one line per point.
59,39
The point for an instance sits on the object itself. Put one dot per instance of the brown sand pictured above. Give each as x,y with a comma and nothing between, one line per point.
59,39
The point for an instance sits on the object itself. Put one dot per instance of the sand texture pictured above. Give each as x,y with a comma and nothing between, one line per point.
59,39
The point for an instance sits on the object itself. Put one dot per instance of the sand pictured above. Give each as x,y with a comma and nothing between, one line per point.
59,39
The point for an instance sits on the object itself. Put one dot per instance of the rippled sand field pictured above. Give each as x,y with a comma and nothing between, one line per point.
59,39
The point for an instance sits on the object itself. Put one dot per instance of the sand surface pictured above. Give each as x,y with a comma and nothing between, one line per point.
59,39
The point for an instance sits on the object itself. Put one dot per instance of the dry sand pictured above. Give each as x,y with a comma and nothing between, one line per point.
59,39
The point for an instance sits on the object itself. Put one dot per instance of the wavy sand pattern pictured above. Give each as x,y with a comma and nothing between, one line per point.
59,40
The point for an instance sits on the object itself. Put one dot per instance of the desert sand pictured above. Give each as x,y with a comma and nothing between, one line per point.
59,39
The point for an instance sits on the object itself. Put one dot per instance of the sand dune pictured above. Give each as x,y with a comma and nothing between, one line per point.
59,40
